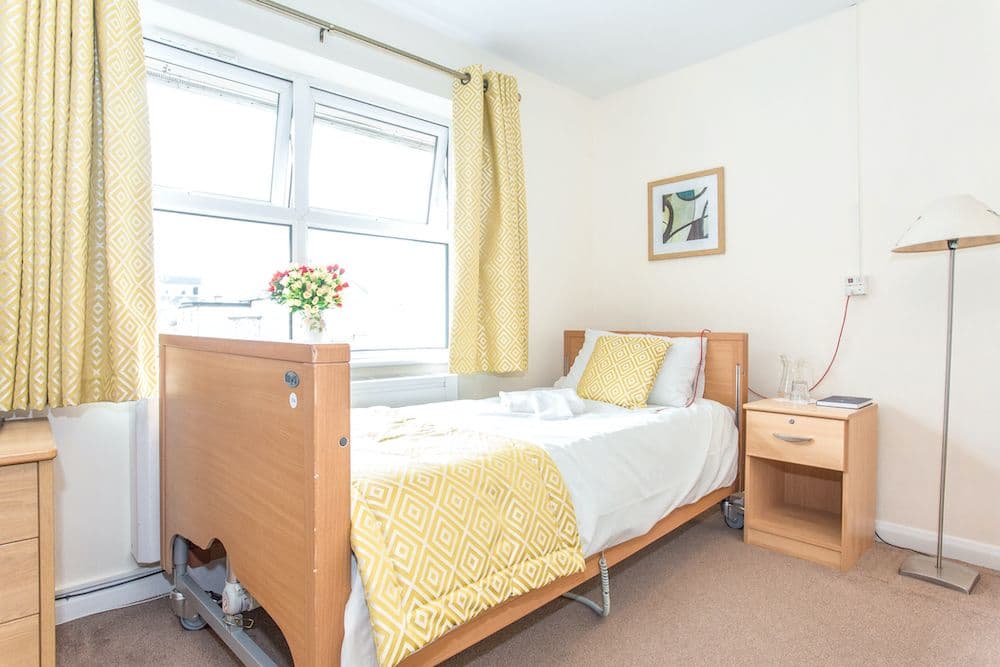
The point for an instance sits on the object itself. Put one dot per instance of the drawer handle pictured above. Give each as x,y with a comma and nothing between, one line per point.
795,439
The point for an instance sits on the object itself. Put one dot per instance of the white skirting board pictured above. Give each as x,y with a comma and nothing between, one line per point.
957,548
112,595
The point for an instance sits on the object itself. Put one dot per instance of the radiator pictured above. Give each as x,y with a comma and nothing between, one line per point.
411,390
392,391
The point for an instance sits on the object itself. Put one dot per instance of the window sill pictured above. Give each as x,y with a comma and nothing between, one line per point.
383,358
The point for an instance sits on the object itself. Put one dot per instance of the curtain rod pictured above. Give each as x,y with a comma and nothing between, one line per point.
326,26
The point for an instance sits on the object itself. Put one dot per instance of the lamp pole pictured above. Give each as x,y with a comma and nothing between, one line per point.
937,570
952,246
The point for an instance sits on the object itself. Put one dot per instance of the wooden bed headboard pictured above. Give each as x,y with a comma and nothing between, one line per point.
726,352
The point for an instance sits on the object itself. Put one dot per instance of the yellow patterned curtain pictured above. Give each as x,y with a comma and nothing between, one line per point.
77,298
489,326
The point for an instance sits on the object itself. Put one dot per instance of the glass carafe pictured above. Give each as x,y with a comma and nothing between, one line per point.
785,381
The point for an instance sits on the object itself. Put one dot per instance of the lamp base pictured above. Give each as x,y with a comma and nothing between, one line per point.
950,575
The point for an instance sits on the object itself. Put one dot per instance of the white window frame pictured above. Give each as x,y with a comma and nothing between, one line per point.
281,86
436,217
298,97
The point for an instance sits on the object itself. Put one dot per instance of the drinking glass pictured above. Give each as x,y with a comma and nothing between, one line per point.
801,380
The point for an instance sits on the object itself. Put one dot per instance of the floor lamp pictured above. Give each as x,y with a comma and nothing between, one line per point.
947,224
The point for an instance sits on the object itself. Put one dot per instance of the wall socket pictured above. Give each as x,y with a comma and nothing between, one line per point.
855,285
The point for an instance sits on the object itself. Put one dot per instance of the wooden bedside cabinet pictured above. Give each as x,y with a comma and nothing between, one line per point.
810,480
27,595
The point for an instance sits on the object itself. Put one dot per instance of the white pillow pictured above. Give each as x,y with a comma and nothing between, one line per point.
675,381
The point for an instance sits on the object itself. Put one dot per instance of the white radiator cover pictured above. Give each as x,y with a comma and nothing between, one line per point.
145,487
392,391
410,390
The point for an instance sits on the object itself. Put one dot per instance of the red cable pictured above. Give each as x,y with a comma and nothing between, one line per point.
701,360
840,336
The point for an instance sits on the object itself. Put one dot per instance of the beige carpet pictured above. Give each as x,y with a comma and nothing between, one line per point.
700,596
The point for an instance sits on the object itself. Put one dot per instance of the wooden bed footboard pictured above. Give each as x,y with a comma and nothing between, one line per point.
254,453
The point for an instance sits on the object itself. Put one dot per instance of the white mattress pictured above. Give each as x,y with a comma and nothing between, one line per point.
625,470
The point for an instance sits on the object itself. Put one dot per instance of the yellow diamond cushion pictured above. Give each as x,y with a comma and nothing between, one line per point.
622,370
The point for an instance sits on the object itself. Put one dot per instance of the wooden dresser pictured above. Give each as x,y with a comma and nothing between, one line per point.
27,587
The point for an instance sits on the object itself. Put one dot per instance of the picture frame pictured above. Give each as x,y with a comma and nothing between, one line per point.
687,215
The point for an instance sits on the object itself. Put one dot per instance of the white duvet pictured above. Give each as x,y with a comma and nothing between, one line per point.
625,470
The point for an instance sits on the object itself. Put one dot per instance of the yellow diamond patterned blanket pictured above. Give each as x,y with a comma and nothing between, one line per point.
448,523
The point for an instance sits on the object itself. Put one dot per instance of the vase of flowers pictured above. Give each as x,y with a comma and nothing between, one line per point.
309,291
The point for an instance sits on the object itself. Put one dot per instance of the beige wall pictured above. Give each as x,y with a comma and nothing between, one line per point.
779,115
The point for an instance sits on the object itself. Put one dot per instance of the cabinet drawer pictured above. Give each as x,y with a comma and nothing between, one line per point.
807,441
19,642
18,502
18,580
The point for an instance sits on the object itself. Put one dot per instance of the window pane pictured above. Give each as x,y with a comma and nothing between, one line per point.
368,167
210,134
212,273
398,294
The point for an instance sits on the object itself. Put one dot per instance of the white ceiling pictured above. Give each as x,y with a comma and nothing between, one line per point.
600,46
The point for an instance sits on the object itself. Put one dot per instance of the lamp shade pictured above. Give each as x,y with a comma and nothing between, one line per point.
962,218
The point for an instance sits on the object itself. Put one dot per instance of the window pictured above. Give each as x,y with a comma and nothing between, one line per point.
217,135
401,291
253,169
208,275
358,160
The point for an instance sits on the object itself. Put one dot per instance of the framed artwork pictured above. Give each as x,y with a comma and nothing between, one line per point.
687,215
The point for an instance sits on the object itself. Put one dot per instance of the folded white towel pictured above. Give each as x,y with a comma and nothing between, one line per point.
543,403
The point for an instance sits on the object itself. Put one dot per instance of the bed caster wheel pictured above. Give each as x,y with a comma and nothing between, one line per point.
192,624
732,511
735,523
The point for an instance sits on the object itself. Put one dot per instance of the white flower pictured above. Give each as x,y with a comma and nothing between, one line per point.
307,293
284,281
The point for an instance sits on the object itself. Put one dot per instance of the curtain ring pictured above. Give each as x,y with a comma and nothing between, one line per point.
465,78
